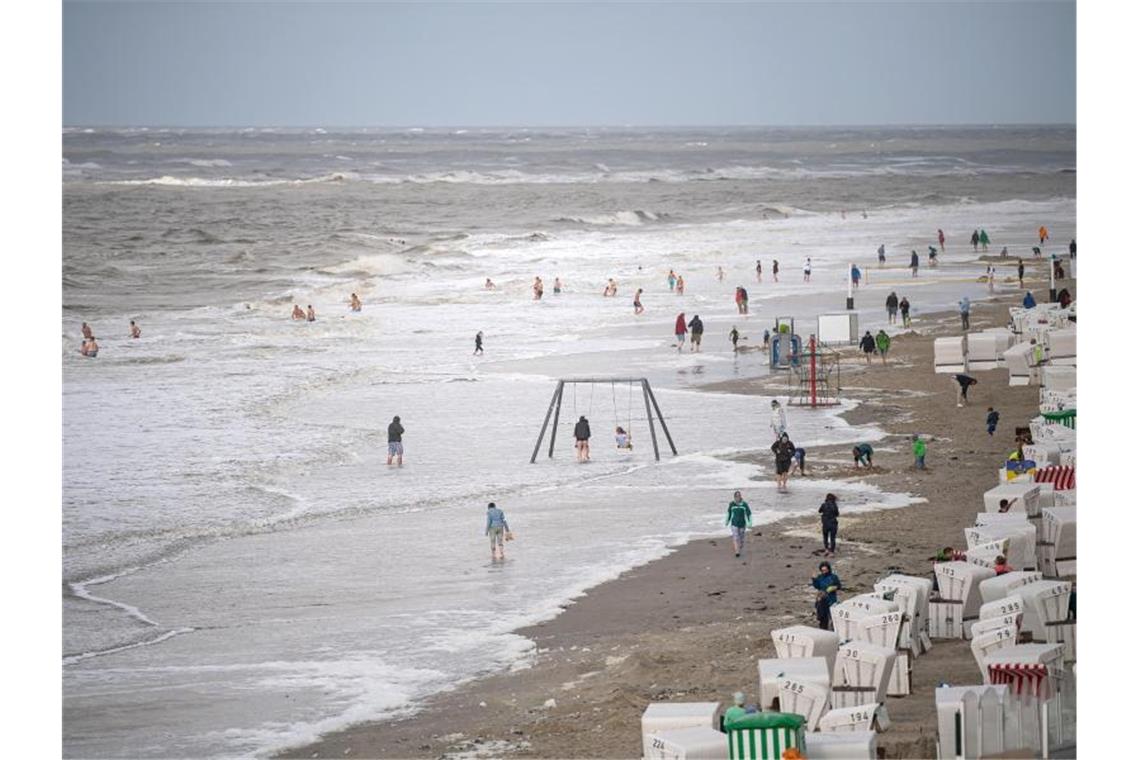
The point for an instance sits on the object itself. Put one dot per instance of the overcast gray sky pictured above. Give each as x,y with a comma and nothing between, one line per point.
477,64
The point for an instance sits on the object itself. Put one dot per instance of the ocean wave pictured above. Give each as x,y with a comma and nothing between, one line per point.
223,182
627,218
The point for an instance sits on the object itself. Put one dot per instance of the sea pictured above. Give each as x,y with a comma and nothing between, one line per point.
243,572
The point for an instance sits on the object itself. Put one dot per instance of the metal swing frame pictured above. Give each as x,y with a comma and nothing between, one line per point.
555,408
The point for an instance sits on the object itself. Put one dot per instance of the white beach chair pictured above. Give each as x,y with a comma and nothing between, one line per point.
972,721
804,698
669,716
1059,379
985,625
1059,525
805,641
985,555
850,719
867,668
1022,497
1010,605
1001,586
697,743
846,615
1045,602
950,355
842,745
1062,347
912,594
1019,364
989,642
1022,542
773,671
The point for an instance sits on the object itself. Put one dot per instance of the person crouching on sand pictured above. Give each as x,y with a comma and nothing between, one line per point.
829,520
784,450
862,454
496,530
582,439
739,517
826,585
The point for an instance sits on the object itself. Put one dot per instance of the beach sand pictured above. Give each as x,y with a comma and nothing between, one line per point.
690,626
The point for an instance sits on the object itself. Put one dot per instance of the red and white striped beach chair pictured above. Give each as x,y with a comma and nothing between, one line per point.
1063,477
1023,678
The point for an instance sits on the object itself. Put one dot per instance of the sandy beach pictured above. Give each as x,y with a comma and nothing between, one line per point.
690,626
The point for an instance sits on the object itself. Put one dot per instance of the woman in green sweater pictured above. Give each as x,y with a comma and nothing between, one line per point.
739,516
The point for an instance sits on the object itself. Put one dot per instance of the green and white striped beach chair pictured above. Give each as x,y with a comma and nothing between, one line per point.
764,736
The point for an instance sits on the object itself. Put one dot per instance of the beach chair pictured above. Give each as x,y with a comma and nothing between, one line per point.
850,719
1059,538
950,355
1044,602
846,615
764,736
1035,676
990,641
866,671
1058,378
698,743
984,350
805,641
1020,365
912,594
670,716
1001,586
958,597
985,625
972,721
1010,605
773,671
1022,537
842,745
985,555
1023,497
1062,347
804,698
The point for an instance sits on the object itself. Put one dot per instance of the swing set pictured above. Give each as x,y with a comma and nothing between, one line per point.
555,408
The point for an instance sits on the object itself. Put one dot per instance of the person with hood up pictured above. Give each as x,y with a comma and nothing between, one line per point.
696,330
582,439
679,330
785,451
868,345
396,441
1029,301
826,585
892,307
883,344
829,520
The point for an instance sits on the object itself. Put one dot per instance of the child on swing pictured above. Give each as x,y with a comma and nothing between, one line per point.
623,439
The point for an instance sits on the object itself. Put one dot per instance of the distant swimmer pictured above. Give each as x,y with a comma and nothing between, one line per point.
767,338
537,288
680,285
696,330
135,331
914,263
396,441
720,274
89,348
679,330
1072,249
743,305
882,254
775,271
558,286
807,269
611,288
354,303
759,271
734,336
672,279
478,343
496,530
86,329
310,315
622,438
637,307
1004,251
488,285
740,309
582,439
942,240
298,312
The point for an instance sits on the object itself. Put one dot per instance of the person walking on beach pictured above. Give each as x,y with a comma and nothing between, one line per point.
679,331
396,441
135,331
1072,249
784,450
739,298
537,288
904,310
919,449
800,459
826,585
882,254
1043,234
1020,273
991,275
984,239
298,313
862,453
310,314
582,439
974,241
775,271
743,300
696,330
680,285
478,344
964,312
672,280
637,307
868,345
913,263
856,275
964,382
883,344
779,421
807,269
991,421
829,520
739,517
942,240
354,302
496,530
759,271
892,307
767,338
734,336
931,255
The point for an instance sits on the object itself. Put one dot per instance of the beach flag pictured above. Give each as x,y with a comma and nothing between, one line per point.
1030,679
764,736
1063,477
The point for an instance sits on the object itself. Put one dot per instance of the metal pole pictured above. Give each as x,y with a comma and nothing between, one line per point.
545,422
1053,279
557,411
649,417
850,294
811,350
661,418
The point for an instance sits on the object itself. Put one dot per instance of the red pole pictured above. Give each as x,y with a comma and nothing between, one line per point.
811,352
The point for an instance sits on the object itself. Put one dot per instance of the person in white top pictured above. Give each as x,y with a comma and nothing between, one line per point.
779,421
807,269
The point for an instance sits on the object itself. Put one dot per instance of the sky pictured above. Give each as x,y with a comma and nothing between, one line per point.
548,64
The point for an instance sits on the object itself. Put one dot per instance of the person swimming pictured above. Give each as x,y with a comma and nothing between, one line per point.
135,331
354,303
311,316
298,312
89,348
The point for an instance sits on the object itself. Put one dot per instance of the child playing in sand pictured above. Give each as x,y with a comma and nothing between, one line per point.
862,453
826,585
739,516
991,420
829,520
800,458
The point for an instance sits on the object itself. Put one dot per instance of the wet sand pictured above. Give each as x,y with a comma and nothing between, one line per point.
690,626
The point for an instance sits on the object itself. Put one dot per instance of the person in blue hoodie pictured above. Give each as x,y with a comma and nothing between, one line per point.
826,585
496,529
1029,301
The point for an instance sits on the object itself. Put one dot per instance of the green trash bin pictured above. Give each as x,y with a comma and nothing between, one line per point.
764,735
1066,417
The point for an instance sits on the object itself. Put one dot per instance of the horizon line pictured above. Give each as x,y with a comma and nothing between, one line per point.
868,125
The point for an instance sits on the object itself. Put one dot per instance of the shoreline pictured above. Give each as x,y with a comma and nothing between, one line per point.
696,616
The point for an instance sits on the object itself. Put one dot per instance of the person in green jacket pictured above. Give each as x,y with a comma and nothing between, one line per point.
984,239
919,453
737,710
739,516
883,343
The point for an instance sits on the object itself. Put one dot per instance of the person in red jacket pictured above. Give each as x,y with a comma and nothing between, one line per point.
679,330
